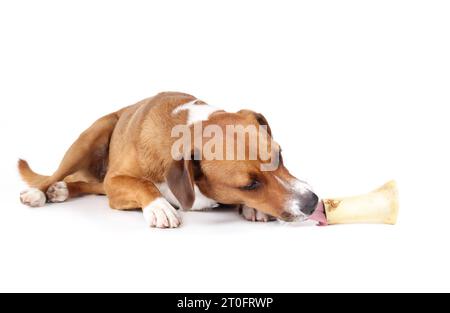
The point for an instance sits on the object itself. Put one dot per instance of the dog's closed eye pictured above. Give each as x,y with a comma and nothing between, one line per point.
253,185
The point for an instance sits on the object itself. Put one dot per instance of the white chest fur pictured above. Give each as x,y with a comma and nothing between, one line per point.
201,201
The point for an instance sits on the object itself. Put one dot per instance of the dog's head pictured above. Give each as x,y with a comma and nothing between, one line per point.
249,172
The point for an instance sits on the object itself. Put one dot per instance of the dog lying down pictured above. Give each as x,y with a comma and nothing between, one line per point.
175,151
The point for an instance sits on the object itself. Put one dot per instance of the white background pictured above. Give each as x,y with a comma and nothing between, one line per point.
357,93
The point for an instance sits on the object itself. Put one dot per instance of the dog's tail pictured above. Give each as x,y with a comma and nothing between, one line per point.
33,179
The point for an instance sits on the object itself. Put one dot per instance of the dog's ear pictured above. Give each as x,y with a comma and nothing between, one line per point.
259,118
181,178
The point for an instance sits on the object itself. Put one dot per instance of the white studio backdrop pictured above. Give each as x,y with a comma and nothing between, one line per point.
356,92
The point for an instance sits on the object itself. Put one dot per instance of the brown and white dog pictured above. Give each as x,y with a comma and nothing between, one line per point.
127,155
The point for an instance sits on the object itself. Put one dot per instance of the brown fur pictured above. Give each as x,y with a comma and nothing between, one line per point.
125,153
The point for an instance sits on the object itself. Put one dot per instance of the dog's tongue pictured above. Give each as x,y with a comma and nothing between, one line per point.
319,215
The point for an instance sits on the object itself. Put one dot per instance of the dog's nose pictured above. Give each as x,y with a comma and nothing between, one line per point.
310,204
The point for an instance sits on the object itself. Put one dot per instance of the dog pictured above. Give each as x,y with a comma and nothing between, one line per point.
128,156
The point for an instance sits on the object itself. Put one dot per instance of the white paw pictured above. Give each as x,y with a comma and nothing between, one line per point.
58,192
33,197
253,215
161,214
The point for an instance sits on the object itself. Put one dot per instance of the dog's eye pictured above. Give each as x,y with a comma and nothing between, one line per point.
252,186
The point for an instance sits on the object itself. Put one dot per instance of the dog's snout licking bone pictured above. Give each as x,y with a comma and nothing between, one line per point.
129,156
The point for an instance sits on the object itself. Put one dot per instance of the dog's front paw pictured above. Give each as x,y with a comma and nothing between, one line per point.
58,192
253,215
33,197
161,214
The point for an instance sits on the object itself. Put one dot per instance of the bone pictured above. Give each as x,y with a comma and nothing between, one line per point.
377,207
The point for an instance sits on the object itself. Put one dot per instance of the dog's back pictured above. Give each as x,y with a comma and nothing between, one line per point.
86,163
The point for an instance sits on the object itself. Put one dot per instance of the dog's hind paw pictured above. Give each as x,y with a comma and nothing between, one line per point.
33,197
253,215
58,192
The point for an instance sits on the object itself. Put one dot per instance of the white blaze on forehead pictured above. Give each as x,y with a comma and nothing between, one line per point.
196,112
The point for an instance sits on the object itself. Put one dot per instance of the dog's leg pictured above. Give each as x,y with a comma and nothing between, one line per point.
61,191
88,153
126,192
253,215
77,189
81,154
